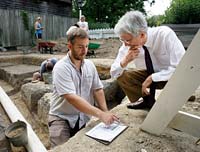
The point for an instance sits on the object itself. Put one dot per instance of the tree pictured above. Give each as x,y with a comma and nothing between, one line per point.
109,11
183,12
155,20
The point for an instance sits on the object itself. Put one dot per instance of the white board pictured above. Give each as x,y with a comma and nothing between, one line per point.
187,123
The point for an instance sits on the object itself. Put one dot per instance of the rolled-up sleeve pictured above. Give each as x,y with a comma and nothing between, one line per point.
116,69
62,81
97,84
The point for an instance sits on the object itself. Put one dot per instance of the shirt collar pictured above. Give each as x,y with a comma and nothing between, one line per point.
149,42
70,61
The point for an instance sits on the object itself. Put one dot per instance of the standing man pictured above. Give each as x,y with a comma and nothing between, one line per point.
76,88
156,53
83,24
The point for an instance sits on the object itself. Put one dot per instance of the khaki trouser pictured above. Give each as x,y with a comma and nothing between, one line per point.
60,130
131,83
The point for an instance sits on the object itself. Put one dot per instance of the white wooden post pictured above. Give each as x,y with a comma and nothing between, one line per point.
80,14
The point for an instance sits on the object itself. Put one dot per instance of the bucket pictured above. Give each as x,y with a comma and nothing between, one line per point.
47,77
17,133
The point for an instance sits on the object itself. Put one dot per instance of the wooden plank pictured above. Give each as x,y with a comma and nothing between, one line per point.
187,123
180,87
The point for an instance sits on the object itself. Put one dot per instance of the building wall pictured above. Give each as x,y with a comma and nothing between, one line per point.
54,7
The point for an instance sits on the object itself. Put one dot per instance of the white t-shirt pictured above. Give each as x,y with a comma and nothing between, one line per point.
83,25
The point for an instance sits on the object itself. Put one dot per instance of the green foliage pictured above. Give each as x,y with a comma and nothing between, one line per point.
32,33
25,19
75,11
183,12
108,11
99,25
156,20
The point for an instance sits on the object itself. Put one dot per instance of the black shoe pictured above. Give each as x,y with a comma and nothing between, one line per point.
139,105
142,104
192,98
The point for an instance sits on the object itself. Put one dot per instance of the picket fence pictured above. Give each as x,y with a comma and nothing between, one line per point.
102,33
185,32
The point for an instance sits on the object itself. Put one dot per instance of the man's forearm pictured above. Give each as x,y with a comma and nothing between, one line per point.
100,98
123,63
82,105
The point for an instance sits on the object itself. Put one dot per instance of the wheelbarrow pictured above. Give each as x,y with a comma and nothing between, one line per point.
45,46
91,49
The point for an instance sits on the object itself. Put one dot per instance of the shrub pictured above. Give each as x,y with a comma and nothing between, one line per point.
183,12
98,25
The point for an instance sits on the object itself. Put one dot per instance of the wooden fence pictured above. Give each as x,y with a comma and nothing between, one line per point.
13,33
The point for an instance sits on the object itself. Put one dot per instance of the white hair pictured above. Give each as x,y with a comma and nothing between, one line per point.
70,29
132,22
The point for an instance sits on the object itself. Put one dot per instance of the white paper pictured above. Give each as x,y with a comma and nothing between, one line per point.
106,133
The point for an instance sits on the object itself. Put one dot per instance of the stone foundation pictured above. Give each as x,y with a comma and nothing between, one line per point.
32,92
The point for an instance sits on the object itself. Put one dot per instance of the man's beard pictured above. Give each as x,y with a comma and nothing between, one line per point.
78,57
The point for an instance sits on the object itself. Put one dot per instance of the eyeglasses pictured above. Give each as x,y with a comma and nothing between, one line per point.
126,41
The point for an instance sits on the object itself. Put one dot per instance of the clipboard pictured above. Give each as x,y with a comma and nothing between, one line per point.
106,134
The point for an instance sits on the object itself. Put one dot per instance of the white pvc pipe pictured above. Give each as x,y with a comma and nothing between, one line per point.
34,143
